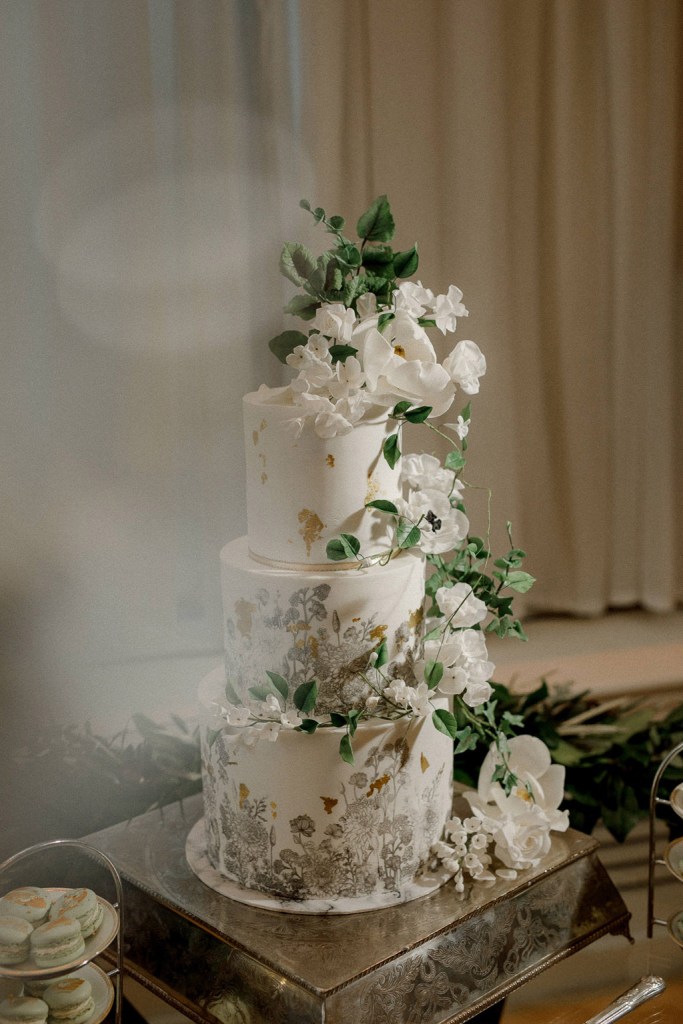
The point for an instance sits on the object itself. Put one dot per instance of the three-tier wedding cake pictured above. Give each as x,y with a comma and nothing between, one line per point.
327,739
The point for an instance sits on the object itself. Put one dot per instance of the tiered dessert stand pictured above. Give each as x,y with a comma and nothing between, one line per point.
106,985
673,854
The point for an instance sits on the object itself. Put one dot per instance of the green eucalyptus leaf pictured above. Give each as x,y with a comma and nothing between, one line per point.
336,223
348,255
445,722
280,684
232,694
319,214
519,581
400,408
260,692
391,450
304,306
340,353
405,263
304,204
418,415
353,288
382,655
383,505
345,749
377,223
454,460
433,673
338,720
297,263
284,344
308,725
305,696
342,547
407,534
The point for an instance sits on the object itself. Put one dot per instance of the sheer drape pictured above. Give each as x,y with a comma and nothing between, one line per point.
149,165
534,148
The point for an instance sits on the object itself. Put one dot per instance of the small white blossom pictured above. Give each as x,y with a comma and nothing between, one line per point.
290,719
442,527
461,427
397,692
419,700
447,308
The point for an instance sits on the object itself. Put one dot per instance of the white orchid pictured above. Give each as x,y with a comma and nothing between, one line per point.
521,822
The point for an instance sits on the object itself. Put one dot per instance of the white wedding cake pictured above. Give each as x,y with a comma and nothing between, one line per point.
327,737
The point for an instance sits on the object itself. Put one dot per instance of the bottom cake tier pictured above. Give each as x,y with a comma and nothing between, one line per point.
291,826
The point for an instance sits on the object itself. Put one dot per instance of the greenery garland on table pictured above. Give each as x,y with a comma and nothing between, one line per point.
80,782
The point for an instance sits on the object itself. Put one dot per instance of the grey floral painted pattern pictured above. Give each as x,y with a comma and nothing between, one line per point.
368,844
320,645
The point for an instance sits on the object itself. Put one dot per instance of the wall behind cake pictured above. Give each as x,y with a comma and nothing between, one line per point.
151,170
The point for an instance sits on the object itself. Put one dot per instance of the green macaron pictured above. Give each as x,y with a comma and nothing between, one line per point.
23,1010
70,1000
15,939
28,902
57,942
84,906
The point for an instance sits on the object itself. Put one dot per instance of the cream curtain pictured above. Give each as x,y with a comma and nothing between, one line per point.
533,147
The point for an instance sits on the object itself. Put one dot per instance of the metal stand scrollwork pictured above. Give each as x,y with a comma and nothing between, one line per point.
673,854
109,932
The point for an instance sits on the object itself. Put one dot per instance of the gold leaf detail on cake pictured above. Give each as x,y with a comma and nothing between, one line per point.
329,803
262,425
244,611
311,528
424,763
378,784
330,461
244,793
379,633
372,489
415,618
255,436
264,477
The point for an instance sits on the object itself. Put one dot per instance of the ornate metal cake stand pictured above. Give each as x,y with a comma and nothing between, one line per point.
437,960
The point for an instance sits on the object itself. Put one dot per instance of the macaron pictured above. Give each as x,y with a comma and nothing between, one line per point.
69,999
36,986
23,1010
15,939
84,906
28,902
57,942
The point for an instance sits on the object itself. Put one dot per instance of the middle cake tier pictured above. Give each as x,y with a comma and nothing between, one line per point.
319,625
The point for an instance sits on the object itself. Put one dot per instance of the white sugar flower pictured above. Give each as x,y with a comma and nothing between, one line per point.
442,528
448,308
366,305
465,365
318,345
237,716
421,383
419,700
425,471
269,731
332,424
346,375
460,606
409,340
521,822
397,692
335,321
413,297
290,719
461,427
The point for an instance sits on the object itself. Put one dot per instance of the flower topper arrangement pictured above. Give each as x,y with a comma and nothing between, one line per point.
366,349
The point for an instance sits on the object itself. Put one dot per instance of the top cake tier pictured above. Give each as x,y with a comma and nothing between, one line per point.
304,491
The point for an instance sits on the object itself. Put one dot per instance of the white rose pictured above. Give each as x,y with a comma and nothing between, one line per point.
465,365
412,296
425,471
334,320
460,606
